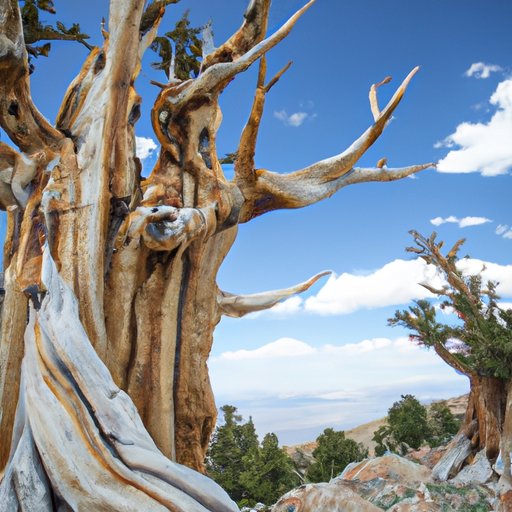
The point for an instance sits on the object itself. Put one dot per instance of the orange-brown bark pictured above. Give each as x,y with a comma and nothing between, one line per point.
134,263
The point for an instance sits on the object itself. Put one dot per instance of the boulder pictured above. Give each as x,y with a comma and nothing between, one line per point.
427,456
323,497
389,467
394,484
505,502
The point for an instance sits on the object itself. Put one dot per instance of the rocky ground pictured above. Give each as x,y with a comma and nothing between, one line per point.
393,484
423,481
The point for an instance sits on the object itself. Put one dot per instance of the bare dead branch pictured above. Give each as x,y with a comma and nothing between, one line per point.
374,104
244,164
320,180
431,253
277,76
240,305
453,361
276,191
365,175
218,75
431,289
158,84
19,117
251,32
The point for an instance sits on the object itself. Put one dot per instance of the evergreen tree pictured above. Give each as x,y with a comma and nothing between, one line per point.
230,442
410,424
478,345
250,473
269,472
442,424
407,427
408,421
332,454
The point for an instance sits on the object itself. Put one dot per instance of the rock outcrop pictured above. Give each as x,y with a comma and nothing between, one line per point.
395,484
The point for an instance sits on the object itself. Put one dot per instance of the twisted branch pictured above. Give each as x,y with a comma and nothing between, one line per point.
272,191
240,305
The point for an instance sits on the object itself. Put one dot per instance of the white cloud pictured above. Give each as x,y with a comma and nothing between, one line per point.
329,385
295,119
473,221
482,70
283,347
463,223
483,147
437,221
504,230
144,147
394,283
490,272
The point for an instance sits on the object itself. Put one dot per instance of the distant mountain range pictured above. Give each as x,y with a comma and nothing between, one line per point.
363,434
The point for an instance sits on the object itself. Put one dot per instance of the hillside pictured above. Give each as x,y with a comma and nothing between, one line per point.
363,433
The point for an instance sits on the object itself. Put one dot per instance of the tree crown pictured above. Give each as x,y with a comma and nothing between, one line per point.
481,341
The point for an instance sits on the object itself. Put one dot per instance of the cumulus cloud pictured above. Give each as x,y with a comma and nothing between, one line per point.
463,223
144,147
504,230
283,347
483,147
301,368
482,70
328,385
394,284
502,274
295,119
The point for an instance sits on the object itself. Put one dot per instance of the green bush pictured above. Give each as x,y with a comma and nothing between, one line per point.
410,424
332,454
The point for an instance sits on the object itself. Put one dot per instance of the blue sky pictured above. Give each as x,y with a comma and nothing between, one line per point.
328,358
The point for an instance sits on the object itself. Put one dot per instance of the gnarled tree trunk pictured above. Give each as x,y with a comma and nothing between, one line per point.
120,273
485,414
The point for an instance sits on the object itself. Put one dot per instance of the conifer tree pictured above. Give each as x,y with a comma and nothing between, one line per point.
230,442
269,472
478,345
407,427
332,454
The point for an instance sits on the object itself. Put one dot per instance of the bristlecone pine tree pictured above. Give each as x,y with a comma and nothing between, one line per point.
118,275
480,347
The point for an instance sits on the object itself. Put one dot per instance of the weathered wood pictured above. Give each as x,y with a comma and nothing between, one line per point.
240,305
97,454
457,452
121,273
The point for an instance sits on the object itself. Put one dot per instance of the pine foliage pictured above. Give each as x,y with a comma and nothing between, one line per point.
332,454
248,471
481,341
